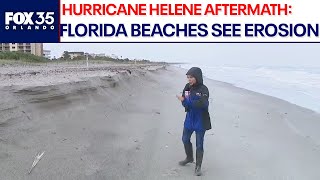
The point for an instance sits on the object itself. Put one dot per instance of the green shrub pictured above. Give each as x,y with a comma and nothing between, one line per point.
20,56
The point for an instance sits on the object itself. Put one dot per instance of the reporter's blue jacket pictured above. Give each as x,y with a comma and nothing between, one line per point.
196,104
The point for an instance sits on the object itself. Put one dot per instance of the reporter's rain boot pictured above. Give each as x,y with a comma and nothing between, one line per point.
189,154
199,157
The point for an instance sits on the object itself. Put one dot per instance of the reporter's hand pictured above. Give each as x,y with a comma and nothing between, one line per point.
181,98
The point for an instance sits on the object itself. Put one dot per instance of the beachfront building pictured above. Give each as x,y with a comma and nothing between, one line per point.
47,54
73,55
114,56
32,48
97,55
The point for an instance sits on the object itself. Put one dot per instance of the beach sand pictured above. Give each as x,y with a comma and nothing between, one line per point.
124,122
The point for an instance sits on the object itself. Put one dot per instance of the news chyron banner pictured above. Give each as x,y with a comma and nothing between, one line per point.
52,21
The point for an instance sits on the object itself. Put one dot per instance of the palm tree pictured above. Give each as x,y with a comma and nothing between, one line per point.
66,55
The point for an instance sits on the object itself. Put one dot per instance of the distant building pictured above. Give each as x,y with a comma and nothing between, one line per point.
47,54
32,48
98,55
75,54
114,56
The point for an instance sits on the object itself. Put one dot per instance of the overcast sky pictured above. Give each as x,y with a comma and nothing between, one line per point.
217,54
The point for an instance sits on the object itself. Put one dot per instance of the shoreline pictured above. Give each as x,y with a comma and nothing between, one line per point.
267,96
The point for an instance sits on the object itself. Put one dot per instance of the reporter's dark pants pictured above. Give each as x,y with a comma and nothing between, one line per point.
199,138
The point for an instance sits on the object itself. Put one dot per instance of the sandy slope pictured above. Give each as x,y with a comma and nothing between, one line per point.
129,126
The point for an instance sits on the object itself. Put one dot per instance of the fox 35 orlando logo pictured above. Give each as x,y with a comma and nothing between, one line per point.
29,21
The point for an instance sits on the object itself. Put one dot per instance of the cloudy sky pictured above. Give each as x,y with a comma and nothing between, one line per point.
219,54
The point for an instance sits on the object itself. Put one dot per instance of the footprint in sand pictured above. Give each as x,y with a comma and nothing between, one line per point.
174,172
92,169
